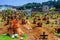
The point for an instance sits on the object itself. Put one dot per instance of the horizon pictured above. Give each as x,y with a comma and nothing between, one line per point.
19,2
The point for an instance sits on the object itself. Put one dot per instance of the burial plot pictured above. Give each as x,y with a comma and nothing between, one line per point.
48,22
24,21
43,36
56,22
39,24
57,30
45,18
39,18
34,21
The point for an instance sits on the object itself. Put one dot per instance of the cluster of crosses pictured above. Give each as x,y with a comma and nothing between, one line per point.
16,15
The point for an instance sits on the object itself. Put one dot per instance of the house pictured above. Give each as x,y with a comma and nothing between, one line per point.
45,8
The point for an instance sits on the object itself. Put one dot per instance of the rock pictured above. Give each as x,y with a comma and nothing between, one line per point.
21,38
13,36
16,35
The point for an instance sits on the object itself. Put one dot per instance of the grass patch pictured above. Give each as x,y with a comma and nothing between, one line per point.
1,24
25,36
38,14
0,16
30,19
46,24
57,34
4,37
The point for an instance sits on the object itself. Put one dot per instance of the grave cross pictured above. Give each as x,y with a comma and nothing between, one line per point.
43,36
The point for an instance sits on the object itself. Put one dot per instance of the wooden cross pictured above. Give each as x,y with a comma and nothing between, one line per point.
43,36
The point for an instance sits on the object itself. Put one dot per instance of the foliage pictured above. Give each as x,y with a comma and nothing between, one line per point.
3,37
52,8
57,34
25,36
29,6
8,11
57,5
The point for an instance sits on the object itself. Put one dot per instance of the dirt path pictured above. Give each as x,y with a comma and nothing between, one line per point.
38,31
35,33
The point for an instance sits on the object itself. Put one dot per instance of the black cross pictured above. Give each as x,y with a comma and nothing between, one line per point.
43,36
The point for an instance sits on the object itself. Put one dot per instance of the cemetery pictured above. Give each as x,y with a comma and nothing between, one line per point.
32,26
32,20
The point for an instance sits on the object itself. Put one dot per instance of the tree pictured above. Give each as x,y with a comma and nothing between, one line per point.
29,6
8,11
52,9
57,5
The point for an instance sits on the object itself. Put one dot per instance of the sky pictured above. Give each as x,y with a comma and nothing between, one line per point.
19,2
